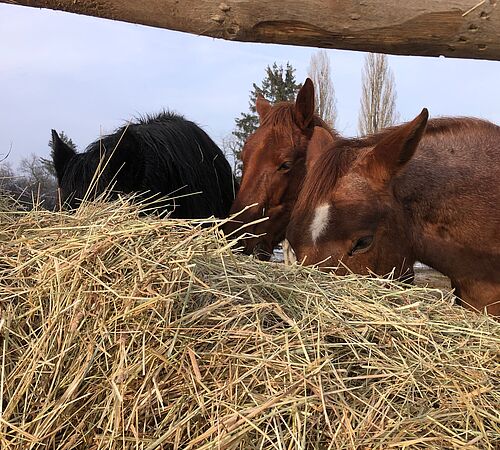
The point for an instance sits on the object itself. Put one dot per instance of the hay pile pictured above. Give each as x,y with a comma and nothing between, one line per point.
124,332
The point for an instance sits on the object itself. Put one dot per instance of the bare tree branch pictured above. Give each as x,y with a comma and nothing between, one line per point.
378,98
324,93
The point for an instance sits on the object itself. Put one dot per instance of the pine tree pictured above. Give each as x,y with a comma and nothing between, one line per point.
48,163
278,85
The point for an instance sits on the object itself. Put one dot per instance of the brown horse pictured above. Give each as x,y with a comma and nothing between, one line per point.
420,191
273,170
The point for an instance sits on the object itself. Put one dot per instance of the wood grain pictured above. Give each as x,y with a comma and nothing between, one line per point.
460,28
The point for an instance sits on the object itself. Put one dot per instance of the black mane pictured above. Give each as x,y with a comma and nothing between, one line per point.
159,155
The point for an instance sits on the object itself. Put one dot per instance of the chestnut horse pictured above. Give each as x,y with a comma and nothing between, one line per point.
421,191
273,170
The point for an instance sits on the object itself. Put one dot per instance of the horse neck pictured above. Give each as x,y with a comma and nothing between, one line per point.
441,194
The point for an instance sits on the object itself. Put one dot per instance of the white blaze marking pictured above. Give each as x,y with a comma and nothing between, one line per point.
320,221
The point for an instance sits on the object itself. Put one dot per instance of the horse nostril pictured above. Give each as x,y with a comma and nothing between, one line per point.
288,253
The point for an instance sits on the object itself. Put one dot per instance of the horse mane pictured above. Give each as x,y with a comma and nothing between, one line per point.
436,126
344,151
443,125
162,154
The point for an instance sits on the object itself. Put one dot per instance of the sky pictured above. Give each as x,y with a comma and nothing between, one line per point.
87,76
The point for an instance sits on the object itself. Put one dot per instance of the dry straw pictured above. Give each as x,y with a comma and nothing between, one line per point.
124,332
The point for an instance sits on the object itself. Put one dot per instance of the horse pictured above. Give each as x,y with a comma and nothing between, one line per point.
273,170
427,191
155,157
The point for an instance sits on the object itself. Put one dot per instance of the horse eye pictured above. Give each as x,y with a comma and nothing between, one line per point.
361,245
285,166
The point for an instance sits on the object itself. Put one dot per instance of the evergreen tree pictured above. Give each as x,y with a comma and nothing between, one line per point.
278,85
48,163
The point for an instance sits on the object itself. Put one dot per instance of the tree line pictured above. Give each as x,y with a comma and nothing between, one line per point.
34,180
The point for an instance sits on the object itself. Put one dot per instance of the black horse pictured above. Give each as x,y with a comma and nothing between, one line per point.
157,157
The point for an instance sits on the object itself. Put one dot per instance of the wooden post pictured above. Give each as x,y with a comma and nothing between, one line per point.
454,28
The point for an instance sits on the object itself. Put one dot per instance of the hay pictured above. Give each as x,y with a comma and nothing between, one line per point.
125,332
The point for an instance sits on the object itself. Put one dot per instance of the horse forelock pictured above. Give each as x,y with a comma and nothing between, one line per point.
323,176
282,119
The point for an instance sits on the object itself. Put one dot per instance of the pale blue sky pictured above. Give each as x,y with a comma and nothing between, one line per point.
86,76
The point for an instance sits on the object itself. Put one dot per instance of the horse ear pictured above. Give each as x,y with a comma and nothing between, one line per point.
397,148
304,105
61,155
321,141
263,107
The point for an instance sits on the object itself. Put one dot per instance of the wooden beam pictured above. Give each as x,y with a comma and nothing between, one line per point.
454,28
